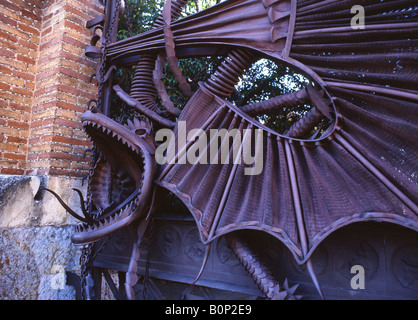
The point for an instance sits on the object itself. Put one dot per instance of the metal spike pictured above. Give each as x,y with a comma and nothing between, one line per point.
278,295
314,278
292,289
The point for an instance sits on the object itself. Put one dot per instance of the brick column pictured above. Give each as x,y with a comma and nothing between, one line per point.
44,85
62,89
20,23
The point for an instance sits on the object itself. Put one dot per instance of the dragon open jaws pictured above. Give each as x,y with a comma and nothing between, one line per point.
119,202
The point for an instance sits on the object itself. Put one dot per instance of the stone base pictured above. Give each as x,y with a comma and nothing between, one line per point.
35,238
33,262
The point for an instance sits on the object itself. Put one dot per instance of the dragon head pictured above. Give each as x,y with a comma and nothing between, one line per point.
121,179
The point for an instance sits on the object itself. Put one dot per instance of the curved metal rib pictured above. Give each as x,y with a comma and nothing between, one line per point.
87,219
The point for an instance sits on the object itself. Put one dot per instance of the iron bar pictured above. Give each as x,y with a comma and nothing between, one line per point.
141,108
291,30
110,30
182,151
286,100
373,88
369,27
229,182
299,215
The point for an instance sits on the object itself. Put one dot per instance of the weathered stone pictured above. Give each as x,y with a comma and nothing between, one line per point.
24,203
19,275
35,237
32,256
17,199
52,287
49,211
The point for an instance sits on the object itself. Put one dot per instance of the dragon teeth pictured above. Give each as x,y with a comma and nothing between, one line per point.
125,211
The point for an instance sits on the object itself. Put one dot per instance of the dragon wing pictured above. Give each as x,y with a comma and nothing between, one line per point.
364,169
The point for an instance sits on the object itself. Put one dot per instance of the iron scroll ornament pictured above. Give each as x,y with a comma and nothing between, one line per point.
361,169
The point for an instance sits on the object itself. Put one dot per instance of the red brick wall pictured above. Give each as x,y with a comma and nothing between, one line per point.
19,38
44,85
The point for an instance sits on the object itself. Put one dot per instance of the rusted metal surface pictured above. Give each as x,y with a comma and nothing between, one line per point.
362,167
387,252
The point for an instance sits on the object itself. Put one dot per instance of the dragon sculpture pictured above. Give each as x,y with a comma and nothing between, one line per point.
361,167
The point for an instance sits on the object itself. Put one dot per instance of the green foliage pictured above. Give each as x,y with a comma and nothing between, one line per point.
138,16
193,7
194,70
265,80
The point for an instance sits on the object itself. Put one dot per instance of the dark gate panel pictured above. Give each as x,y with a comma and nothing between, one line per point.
177,255
388,253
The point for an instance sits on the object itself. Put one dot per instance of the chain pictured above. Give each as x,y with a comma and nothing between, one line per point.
87,257
128,19
148,262
88,254
95,154
105,41
84,261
